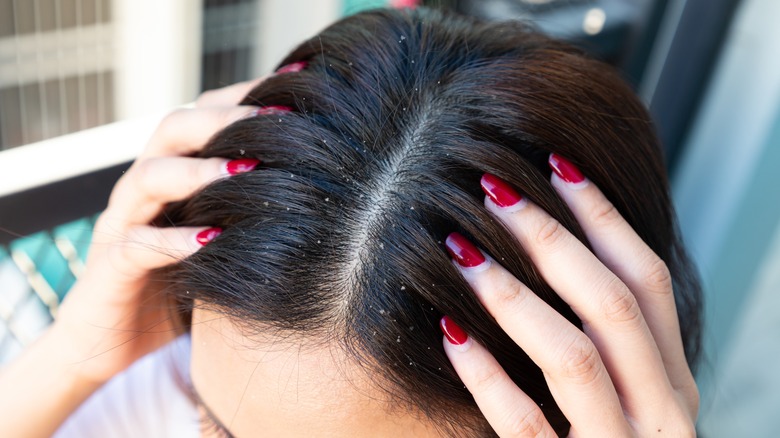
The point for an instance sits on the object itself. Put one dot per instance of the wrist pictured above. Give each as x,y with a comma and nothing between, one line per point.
82,345
70,361
42,387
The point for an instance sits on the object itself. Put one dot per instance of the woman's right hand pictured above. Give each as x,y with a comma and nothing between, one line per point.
625,374
112,316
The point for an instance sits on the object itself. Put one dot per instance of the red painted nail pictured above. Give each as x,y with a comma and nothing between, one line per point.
463,251
454,334
295,67
404,4
565,169
242,165
208,235
272,109
499,191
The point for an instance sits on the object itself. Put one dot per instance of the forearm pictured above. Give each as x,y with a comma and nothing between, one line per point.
41,388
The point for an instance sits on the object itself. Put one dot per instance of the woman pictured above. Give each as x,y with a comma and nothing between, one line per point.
391,178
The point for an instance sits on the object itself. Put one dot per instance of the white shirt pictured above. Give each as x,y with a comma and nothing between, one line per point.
147,400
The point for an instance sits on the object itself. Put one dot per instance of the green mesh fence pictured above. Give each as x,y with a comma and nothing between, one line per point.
36,273
355,6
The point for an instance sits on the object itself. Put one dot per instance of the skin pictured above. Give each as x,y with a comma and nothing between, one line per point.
626,375
294,388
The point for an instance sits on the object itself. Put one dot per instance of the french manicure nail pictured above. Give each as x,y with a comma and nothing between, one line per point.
242,165
499,191
294,67
208,235
452,331
565,169
463,251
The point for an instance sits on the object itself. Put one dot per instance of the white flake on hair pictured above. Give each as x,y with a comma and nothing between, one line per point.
382,189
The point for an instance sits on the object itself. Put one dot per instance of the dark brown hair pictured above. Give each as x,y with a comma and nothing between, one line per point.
396,117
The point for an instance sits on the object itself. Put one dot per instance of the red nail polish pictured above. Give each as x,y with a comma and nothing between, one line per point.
463,251
272,109
295,67
242,165
499,191
565,169
399,4
455,335
208,235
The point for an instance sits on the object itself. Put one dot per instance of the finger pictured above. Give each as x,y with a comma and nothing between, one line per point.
186,131
570,362
510,412
230,95
144,190
609,312
619,247
147,247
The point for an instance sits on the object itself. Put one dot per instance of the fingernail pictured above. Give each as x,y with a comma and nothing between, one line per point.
499,191
399,4
272,109
565,169
295,67
242,165
454,334
208,235
463,251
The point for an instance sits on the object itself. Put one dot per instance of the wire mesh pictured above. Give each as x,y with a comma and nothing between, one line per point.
36,273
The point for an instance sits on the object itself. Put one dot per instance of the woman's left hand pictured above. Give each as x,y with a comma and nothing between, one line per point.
114,314
626,374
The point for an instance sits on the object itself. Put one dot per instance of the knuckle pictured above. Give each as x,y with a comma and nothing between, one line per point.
620,305
171,120
142,172
580,361
604,215
511,295
551,234
102,230
520,423
105,222
486,378
690,395
119,259
657,277
204,98
118,192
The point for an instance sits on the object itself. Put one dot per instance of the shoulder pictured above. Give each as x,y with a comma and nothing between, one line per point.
149,399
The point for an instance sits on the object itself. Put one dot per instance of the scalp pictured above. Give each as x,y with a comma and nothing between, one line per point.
337,237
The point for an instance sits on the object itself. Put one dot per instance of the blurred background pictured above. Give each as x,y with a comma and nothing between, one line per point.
84,82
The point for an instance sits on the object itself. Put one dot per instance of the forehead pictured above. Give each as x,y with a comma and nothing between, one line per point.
285,389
